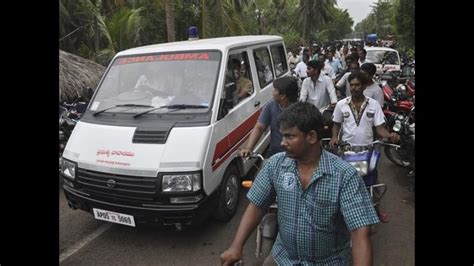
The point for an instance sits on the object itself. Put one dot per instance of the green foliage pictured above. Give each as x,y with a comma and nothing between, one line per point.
187,14
404,18
75,20
220,19
340,26
392,18
320,36
121,31
313,15
98,29
379,20
153,24
292,38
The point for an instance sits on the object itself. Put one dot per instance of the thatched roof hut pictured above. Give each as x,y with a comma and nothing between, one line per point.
76,75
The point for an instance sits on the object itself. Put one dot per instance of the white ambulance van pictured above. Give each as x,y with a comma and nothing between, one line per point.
159,140
385,59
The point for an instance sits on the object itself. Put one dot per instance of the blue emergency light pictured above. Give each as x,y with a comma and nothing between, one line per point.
193,33
372,37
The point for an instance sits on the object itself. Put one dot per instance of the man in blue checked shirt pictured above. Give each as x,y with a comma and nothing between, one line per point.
322,201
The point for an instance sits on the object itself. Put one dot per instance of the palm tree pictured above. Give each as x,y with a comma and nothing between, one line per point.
75,20
121,31
220,18
382,11
404,21
169,7
313,14
66,24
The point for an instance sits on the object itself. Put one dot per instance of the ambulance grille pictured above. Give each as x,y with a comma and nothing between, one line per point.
151,137
123,187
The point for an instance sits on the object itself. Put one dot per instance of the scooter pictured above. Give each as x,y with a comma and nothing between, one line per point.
365,159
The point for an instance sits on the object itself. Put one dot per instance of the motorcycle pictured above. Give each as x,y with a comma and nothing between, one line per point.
365,159
397,101
267,230
408,68
404,156
69,115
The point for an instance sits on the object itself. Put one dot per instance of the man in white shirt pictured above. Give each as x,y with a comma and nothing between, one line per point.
343,84
318,88
344,53
293,59
327,69
362,54
333,62
300,69
373,89
358,114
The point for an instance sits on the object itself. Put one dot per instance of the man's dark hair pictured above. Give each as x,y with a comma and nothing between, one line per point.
355,56
236,62
303,115
305,57
287,86
370,68
361,76
315,64
364,51
351,58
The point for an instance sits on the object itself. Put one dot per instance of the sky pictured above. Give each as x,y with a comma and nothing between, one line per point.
358,9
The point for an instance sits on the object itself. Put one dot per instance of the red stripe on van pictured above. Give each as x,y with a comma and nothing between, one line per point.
232,141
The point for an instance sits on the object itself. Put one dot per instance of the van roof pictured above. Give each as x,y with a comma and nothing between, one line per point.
380,49
222,43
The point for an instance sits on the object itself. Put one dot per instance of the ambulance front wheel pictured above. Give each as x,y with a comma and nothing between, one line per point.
228,195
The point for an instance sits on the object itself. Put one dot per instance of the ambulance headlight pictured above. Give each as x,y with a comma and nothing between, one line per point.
68,169
361,167
181,182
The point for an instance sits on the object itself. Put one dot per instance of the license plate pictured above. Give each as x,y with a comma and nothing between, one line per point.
114,217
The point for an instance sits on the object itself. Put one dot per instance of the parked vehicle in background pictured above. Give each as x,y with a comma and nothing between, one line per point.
385,59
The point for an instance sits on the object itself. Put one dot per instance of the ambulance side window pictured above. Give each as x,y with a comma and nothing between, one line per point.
238,83
279,59
264,66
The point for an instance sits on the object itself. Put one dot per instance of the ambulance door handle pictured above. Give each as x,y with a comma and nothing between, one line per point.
257,103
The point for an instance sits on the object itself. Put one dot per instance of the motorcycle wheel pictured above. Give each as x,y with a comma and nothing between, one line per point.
394,156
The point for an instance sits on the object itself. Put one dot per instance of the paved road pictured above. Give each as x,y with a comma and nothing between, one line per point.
85,241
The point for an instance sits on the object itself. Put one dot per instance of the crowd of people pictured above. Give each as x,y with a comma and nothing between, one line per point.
318,193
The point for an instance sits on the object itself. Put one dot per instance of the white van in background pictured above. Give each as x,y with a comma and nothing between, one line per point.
158,143
386,57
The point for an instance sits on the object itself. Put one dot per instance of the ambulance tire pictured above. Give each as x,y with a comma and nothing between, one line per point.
228,198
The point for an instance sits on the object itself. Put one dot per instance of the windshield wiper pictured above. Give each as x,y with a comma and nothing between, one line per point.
122,105
173,106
